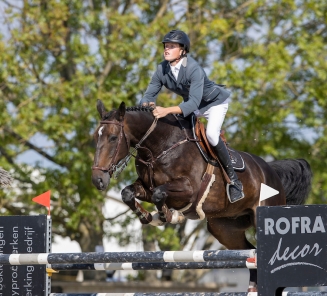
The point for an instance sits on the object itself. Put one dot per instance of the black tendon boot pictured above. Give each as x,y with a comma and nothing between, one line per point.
235,188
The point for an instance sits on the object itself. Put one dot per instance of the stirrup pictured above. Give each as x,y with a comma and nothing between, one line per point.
228,194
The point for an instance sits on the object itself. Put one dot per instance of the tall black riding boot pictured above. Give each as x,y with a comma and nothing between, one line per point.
235,188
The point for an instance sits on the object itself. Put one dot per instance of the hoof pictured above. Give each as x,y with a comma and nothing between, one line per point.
252,289
176,217
155,219
146,218
166,215
144,222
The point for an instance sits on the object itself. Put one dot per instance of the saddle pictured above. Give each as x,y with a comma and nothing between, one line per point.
194,210
207,150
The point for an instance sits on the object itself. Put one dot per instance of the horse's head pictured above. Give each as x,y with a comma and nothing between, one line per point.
111,145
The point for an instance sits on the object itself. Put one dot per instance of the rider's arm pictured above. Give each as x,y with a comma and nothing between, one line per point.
153,88
160,112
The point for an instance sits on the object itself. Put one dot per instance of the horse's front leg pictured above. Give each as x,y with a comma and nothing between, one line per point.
136,190
179,191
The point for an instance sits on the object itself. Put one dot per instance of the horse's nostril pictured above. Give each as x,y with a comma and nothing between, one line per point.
100,182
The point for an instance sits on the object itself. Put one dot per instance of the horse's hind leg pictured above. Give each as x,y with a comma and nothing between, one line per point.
230,232
129,194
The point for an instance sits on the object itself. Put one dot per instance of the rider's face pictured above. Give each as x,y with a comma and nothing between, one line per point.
172,51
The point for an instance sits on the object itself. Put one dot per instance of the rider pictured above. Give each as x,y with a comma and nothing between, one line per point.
184,76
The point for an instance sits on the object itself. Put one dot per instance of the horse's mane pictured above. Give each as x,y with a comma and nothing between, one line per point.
129,109
140,108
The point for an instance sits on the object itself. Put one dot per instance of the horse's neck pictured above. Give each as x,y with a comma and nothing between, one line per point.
139,123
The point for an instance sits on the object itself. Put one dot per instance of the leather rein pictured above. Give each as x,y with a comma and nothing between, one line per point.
112,168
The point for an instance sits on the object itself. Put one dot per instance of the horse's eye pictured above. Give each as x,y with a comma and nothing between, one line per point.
112,138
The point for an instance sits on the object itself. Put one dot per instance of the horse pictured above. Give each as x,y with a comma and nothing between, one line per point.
171,173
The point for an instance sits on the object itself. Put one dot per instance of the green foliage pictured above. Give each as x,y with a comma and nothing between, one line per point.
140,276
126,237
58,57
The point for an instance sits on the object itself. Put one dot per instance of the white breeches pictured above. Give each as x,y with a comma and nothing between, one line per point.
215,117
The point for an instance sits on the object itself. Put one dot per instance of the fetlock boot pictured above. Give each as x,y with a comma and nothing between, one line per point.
235,188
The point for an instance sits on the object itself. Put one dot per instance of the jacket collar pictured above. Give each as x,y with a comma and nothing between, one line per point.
184,63
182,70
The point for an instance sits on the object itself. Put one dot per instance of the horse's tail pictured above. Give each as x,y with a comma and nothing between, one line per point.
296,176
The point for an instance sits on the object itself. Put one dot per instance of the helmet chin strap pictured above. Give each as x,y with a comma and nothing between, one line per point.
184,54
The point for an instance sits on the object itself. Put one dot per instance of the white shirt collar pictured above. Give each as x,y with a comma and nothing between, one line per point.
177,66
175,69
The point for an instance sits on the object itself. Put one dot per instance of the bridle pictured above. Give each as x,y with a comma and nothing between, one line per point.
118,168
112,166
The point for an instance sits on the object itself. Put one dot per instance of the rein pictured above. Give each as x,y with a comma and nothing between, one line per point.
133,151
117,169
149,164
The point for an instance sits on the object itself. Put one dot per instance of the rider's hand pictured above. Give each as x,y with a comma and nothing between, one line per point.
160,112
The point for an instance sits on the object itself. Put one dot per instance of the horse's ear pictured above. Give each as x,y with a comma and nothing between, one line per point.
121,112
101,109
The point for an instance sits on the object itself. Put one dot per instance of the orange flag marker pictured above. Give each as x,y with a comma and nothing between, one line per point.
44,200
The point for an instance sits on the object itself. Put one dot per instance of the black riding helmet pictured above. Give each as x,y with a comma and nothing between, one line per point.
178,36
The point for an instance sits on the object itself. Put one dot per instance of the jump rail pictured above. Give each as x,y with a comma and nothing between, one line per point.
155,266
119,257
193,294
291,253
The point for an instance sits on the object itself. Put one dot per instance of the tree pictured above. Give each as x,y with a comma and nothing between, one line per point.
59,56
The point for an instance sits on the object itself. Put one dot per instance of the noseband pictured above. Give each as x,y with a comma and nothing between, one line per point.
112,167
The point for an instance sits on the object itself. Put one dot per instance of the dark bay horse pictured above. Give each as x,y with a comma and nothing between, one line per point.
170,172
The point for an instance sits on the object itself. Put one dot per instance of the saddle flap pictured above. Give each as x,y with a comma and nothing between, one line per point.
236,158
201,134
